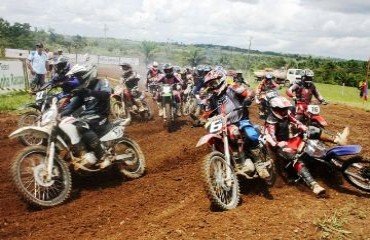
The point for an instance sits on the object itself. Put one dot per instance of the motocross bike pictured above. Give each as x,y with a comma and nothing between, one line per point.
122,107
42,174
354,168
168,106
189,102
153,86
219,166
33,117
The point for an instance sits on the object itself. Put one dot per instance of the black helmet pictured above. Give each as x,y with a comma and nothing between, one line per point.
168,70
307,77
61,65
125,66
207,69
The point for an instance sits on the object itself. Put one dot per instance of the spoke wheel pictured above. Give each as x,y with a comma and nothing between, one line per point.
29,174
356,171
134,166
221,190
29,119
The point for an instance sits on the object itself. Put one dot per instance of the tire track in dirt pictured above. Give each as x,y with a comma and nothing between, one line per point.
169,201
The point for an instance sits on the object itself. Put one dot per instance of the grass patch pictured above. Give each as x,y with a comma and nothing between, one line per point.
11,101
332,226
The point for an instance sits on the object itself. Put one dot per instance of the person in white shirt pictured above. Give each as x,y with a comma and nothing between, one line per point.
37,63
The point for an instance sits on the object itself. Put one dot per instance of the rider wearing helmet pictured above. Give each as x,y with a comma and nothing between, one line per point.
267,83
302,93
94,94
61,67
229,98
280,141
152,73
171,79
130,82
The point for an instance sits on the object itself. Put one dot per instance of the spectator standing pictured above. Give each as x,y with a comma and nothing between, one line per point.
37,63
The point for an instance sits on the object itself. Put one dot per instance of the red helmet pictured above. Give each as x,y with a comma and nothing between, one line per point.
280,106
215,81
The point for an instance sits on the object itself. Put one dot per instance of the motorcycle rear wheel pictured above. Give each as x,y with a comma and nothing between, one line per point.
223,193
134,168
29,176
29,119
356,171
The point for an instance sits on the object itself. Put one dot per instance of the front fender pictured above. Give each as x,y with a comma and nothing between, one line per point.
29,105
208,138
39,132
320,120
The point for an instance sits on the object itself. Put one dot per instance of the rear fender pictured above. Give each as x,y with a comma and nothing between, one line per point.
209,138
319,119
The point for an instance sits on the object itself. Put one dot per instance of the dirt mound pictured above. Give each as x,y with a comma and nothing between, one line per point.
169,201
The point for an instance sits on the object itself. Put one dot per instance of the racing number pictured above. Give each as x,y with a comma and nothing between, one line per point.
216,126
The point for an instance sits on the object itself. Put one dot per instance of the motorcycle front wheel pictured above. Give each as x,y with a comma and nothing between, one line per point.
134,167
147,114
119,110
222,191
169,119
29,119
356,171
29,173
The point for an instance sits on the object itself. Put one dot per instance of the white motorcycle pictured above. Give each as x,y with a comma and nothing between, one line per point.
42,174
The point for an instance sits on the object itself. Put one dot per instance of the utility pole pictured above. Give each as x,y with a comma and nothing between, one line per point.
105,29
249,49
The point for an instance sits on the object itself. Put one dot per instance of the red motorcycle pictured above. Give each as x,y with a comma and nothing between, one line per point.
219,166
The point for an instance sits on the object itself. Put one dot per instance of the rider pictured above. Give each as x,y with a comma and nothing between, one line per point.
268,83
94,94
232,97
130,81
67,83
280,141
152,73
171,79
302,93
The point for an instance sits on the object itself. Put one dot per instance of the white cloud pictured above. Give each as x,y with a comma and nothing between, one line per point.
327,28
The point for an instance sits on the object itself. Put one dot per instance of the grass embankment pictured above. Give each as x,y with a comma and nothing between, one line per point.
11,101
349,96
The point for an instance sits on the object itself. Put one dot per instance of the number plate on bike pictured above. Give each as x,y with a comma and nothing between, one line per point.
215,125
39,95
314,109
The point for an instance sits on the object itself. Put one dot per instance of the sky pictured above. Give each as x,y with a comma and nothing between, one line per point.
326,28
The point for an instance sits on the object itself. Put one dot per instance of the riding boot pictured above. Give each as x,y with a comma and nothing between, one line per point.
260,165
307,178
140,105
244,164
160,109
178,110
340,138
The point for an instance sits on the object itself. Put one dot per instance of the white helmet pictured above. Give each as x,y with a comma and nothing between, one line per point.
84,73
155,64
280,106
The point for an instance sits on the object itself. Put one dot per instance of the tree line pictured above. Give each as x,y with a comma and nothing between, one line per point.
327,70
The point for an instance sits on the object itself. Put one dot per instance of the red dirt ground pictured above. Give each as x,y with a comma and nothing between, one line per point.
169,201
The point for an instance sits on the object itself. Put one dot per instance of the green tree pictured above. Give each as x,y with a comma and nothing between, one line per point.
148,48
194,56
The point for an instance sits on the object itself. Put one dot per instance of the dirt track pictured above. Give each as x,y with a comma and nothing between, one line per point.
169,201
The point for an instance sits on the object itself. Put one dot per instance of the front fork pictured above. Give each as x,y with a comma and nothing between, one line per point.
227,157
50,153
